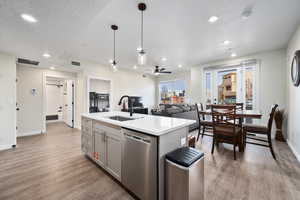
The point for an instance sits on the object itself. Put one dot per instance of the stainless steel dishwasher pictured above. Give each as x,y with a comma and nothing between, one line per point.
139,164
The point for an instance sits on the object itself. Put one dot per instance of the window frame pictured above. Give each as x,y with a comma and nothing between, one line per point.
241,68
171,80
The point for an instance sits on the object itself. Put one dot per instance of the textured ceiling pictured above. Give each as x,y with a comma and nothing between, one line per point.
175,29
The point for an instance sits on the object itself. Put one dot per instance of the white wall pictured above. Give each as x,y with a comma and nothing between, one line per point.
293,98
272,85
7,101
30,117
99,86
122,82
184,75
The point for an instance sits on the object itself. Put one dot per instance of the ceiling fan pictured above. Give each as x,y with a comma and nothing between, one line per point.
159,70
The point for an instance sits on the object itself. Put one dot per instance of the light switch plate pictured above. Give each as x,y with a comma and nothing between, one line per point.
183,141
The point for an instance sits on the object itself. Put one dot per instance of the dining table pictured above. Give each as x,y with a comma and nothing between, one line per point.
241,115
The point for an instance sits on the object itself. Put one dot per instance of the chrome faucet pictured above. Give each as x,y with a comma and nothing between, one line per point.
130,102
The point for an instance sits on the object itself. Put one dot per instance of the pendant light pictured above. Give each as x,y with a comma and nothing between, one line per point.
141,52
114,63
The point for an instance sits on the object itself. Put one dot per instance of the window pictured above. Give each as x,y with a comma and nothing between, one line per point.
172,92
235,84
227,86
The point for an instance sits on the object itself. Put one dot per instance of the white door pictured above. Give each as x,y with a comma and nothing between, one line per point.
69,103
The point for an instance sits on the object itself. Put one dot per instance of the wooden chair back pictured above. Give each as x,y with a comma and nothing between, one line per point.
270,122
202,109
239,106
198,107
224,116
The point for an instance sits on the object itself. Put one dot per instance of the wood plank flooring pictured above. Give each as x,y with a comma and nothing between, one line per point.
51,166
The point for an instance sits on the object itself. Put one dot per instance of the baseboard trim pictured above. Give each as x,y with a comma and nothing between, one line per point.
53,121
5,146
30,133
294,150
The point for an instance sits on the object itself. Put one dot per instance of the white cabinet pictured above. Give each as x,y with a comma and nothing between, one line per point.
108,147
114,155
87,139
100,147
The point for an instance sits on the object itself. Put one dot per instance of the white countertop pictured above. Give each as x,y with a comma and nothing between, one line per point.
151,124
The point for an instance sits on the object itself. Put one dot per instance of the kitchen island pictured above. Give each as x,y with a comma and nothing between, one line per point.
132,148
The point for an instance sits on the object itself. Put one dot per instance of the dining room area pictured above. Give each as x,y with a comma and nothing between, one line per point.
227,123
243,159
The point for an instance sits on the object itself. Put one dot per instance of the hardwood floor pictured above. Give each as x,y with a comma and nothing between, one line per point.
51,166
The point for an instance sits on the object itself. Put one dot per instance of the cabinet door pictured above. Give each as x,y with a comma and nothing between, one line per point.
87,145
84,148
114,155
100,147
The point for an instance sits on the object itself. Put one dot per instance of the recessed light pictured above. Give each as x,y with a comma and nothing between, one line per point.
29,18
179,66
164,59
213,19
134,67
233,54
52,68
226,42
46,55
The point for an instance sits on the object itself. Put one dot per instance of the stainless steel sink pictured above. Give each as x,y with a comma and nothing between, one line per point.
120,118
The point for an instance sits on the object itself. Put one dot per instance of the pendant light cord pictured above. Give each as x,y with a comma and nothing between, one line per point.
114,45
142,32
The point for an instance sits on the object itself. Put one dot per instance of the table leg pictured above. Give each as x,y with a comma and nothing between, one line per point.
241,139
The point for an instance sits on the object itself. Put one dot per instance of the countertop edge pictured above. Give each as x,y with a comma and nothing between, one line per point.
150,132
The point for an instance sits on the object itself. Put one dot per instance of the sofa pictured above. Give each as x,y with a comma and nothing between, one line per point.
184,111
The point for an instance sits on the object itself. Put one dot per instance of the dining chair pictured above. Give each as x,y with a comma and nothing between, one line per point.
202,122
250,129
225,126
239,106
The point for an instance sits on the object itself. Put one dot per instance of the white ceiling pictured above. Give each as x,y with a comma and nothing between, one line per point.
175,29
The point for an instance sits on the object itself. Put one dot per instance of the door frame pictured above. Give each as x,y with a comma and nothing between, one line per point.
45,75
88,91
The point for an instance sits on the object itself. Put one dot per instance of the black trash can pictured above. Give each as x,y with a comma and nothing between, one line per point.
185,174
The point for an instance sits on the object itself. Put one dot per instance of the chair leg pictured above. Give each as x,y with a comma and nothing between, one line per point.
199,132
244,139
271,147
234,147
203,130
213,145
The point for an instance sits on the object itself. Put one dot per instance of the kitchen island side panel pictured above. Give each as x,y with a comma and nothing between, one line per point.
167,143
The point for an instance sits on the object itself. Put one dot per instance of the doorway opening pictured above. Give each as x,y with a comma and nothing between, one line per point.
59,101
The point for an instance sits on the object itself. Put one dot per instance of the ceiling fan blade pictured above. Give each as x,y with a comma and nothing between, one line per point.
162,69
165,72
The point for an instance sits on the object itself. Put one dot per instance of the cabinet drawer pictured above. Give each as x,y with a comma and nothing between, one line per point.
108,128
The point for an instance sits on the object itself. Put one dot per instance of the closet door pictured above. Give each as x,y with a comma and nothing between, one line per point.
69,103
